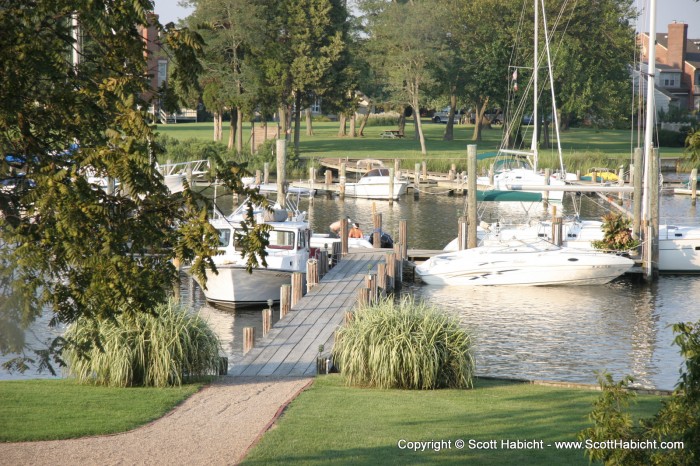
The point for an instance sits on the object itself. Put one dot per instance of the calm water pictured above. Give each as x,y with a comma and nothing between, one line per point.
552,333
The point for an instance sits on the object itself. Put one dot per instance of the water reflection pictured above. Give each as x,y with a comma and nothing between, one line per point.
553,333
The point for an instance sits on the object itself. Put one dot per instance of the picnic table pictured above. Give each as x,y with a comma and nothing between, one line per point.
391,134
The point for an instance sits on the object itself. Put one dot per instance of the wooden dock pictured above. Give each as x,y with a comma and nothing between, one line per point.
292,345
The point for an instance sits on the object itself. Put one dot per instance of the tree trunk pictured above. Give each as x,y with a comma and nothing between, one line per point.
239,132
342,125
297,122
402,123
478,120
365,119
419,126
232,128
309,123
353,123
217,126
449,129
546,139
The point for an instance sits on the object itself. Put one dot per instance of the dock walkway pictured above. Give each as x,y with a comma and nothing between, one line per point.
291,347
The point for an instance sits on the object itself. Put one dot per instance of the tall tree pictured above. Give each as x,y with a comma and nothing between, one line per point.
66,246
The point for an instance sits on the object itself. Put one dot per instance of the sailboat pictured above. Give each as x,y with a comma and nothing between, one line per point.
518,169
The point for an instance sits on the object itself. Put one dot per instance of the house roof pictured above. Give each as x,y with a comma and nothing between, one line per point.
692,48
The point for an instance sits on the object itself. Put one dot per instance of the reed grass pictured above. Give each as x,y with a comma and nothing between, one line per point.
405,344
152,350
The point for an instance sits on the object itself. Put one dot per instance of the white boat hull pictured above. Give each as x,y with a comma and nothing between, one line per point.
376,188
522,264
234,285
679,249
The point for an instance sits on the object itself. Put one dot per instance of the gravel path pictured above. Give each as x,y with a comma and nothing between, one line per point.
215,426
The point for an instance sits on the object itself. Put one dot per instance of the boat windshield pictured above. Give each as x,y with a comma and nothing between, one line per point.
224,237
510,164
378,172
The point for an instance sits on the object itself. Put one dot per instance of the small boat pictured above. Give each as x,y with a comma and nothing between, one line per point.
288,252
520,262
679,249
376,184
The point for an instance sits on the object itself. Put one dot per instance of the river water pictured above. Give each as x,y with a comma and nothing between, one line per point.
551,333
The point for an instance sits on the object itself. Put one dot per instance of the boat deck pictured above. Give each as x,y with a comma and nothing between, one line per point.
292,345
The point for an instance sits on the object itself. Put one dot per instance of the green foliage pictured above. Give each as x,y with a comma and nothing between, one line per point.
142,349
692,143
617,233
404,345
185,150
678,420
670,138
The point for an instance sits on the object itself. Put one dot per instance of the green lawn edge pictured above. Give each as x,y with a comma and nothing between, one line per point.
42,409
330,423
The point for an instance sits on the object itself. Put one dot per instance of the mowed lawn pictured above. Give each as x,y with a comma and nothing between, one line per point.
334,424
613,144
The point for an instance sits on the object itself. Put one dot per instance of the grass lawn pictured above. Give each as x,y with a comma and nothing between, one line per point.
333,424
60,409
613,144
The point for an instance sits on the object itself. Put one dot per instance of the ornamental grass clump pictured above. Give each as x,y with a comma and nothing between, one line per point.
152,350
405,345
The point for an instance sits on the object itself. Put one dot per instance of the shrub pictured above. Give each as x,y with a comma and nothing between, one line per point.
404,345
678,420
158,349
617,234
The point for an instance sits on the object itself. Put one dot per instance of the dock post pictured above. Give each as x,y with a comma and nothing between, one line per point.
391,186
371,283
492,174
266,321
471,196
398,271
311,274
381,280
416,180
344,236
266,173
322,263
258,177
376,232
654,214
342,177
281,146
424,170
693,185
327,182
403,239
297,287
545,194
638,173
285,300
390,270
620,182
363,297
248,339
336,253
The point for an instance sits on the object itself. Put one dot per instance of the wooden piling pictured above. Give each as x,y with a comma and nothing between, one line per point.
248,339
344,236
311,274
638,174
363,297
285,300
547,174
416,180
258,177
557,230
462,234
424,170
398,270
281,146
297,287
403,239
337,252
322,263
312,183
390,270
471,196
381,280
266,173
376,232
391,186
342,179
266,321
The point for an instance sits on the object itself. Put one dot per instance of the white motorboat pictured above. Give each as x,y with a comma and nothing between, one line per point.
679,249
377,184
517,262
287,252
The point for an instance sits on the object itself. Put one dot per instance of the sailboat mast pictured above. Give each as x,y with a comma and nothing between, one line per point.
555,115
535,87
648,133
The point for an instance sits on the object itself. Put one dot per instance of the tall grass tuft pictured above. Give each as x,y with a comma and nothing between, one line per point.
152,350
404,345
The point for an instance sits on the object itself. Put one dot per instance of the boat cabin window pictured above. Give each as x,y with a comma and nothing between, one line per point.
282,239
224,237
378,172
510,164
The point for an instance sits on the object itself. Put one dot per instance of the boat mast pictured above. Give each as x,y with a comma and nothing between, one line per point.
555,116
648,133
536,71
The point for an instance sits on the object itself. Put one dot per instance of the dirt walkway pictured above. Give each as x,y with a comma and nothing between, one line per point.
215,426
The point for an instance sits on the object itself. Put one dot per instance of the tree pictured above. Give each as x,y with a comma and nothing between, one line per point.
66,246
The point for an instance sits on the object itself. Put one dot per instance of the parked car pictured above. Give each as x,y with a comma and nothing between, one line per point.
441,116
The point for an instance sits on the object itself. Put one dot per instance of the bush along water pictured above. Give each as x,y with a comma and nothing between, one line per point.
158,350
617,234
404,345
671,437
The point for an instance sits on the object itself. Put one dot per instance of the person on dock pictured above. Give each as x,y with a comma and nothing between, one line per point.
355,231
335,227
